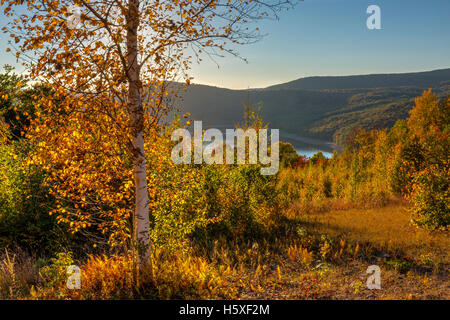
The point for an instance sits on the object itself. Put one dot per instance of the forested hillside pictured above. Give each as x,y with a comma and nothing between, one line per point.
327,111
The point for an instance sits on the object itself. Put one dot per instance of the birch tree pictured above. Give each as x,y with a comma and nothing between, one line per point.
109,63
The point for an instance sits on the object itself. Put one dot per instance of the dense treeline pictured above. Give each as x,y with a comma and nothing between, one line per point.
411,160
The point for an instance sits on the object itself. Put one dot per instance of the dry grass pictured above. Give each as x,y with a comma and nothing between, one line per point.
326,257
387,228
18,273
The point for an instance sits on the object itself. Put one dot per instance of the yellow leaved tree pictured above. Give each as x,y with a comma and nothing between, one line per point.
108,64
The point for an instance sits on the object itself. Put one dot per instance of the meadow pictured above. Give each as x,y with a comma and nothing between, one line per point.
325,257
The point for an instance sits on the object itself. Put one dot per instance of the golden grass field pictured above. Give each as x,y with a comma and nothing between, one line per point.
386,228
384,234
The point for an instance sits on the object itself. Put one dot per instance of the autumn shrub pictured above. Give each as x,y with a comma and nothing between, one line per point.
179,207
300,254
104,277
259,197
318,158
11,188
430,198
242,203
206,201
24,200
422,168
187,276
56,271
288,155
25,204
410,160
173,275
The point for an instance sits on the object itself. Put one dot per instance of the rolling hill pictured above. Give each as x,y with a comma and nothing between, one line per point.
370,81
324,108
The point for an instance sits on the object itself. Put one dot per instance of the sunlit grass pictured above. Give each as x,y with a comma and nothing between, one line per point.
387,228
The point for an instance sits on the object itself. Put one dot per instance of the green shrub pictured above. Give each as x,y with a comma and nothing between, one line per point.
25,205
430,198
288,155
241,203
56,272
400,265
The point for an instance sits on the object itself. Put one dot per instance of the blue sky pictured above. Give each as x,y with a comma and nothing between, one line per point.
330,37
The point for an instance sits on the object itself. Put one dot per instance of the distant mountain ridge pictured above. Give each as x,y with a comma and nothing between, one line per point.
325,108
413,79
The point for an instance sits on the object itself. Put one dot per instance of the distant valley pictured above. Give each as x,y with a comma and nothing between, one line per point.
320,108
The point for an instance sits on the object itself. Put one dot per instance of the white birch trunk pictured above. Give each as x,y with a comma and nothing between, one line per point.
141,214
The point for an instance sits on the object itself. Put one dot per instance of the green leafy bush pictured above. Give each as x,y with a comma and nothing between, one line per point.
56,272
25,204
430,198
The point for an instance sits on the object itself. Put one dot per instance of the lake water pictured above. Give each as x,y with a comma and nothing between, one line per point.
310,152
304,146
308,146
302,149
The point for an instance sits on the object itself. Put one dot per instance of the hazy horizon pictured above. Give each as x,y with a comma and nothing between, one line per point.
322,75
